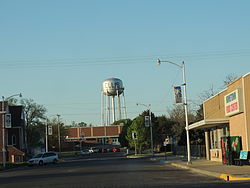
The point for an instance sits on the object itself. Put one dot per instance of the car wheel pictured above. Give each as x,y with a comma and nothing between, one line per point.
55,161
40,163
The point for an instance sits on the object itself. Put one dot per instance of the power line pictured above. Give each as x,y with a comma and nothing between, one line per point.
78,62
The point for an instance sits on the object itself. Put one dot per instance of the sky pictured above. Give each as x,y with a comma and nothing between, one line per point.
58,52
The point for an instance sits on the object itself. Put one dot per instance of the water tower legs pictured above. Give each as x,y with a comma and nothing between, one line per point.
113,107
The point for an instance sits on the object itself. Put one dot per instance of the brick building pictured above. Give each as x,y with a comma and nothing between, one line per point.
98,134
14,133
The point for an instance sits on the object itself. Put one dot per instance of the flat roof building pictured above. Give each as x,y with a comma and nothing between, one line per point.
226,114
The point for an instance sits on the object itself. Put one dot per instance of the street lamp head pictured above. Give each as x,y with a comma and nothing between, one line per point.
158,62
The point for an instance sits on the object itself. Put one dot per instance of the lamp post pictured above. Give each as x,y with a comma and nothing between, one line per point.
3,126
182,67
150,124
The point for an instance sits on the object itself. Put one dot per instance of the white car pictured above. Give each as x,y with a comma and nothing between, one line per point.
94,150
43,158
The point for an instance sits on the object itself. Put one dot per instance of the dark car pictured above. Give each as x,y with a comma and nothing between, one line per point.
115,150
102,150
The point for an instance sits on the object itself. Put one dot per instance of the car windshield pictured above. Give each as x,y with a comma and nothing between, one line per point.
38,155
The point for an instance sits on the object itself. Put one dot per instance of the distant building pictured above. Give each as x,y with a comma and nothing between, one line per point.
14,134
227,114
97,135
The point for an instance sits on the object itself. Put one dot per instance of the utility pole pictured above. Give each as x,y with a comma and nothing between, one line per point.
3,133
59,136
46,135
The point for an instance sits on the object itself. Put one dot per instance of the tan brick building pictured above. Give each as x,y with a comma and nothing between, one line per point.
226,114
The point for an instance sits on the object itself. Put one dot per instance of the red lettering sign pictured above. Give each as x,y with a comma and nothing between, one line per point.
232,107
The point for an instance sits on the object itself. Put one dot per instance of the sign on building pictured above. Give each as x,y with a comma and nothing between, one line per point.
178,94
7,120
233,102
50,131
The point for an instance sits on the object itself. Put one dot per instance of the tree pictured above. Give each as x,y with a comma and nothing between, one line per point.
199,113
122,136
34,113
142,134
207,93
53,139
35,135
82,124
163,128
177,116
34,116
229,78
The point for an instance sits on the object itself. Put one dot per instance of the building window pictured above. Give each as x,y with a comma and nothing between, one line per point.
13,140
226,131
214,139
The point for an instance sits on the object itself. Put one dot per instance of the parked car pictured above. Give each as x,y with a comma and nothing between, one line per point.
102,150
43,158
115,150
85,152
94,150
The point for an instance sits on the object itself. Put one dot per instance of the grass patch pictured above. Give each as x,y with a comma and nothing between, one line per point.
10,165
69,154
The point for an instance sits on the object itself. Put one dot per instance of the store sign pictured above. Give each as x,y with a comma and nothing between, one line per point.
233,103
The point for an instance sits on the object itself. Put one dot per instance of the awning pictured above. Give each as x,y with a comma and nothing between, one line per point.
208,123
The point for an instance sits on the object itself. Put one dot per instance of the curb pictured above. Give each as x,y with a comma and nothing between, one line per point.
229,177
226,177
134,157
208,173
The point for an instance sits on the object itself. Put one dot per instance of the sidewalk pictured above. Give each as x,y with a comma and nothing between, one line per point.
210,168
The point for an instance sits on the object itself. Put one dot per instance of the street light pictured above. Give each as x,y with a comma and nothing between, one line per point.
150,124
182,67
3,126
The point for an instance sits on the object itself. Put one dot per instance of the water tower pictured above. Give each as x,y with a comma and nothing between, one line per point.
112,90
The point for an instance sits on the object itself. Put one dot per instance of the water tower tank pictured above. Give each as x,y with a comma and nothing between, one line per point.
112,87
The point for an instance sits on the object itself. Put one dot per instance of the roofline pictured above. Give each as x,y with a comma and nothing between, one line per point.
214,122
227,86
215,95
246,75
97,126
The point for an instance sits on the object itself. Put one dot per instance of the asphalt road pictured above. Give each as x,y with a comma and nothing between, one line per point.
108,170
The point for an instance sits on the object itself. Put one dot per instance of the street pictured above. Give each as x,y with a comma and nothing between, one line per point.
108,170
